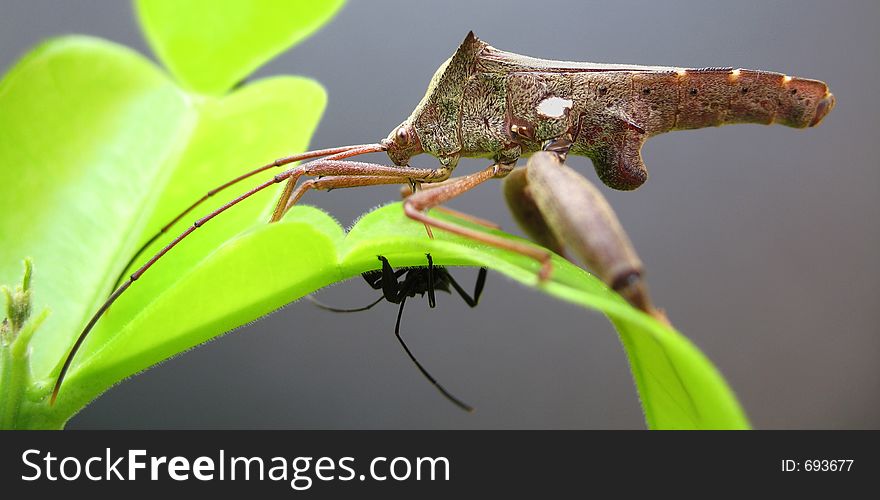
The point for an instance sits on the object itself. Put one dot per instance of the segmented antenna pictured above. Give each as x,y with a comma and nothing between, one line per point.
333,153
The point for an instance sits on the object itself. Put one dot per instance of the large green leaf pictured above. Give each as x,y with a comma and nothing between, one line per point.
87,130
210,46
98,147
271,265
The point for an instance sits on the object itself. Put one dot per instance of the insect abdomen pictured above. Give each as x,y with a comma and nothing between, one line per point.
697,98
720,96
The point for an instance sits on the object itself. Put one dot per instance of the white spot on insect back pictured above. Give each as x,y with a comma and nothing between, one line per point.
554,107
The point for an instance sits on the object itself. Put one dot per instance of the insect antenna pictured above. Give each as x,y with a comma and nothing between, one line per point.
277,163
340,153
318,303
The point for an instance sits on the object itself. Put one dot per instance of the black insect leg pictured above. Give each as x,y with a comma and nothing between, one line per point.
377,279
391,288
432,301
447,394
478,288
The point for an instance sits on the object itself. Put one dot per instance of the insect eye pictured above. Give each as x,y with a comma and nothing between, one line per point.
402,136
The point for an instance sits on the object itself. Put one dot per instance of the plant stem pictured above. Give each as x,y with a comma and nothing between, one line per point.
13,379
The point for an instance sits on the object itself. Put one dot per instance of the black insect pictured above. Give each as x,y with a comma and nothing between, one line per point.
415,281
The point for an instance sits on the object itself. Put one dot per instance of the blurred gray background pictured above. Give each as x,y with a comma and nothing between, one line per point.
760,242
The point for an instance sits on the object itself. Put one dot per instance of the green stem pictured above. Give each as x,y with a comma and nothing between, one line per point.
13,382
17,396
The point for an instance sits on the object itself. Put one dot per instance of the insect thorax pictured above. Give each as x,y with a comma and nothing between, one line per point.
501,114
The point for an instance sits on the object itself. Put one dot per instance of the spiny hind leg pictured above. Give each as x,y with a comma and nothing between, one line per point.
526,212
574,214
522,204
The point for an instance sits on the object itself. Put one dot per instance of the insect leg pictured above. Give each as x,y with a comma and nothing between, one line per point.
526,213
346,174
416,205
336,153
432,300
468,217
422,369
478,288
407,191
374,278
577,214
391,288
339,182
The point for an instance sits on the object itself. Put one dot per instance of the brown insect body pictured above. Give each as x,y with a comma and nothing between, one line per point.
484,102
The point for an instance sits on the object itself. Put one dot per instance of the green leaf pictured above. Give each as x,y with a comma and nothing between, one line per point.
210,46
85,127
98,147
271,265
